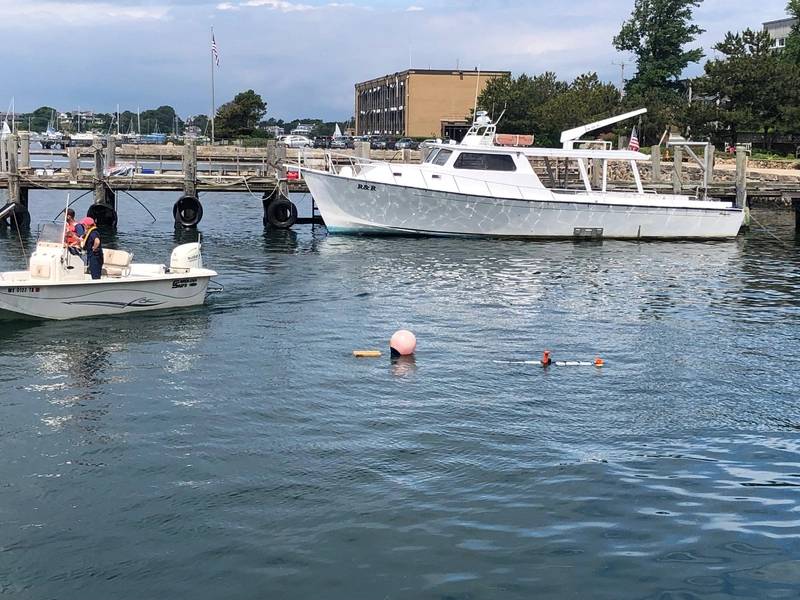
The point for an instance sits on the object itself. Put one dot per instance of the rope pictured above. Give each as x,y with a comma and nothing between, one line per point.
39,185
247,185
141,204
779,240
70,204
19,235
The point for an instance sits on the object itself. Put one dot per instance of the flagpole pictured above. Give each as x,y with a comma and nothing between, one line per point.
213,99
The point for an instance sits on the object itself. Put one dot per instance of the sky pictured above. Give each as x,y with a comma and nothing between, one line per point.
304,56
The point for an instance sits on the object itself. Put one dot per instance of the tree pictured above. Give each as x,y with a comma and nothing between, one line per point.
545,106
522,99
159,120
240,116
750,88
657,34
791,52
42,117
585,100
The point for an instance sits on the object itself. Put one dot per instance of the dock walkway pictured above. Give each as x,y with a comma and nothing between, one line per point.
190,170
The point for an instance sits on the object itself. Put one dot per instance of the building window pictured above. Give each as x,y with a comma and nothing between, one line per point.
781,42
485,162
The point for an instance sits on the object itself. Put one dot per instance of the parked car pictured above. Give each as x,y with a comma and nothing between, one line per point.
382,143
428,142
322,141
296,141
406,144
342,143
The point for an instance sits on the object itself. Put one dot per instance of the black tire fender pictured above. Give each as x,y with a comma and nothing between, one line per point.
281,213
188,211
103,215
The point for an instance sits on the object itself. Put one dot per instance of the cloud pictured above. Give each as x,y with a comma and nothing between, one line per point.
281,5
414,9
284,6
315,77
78,13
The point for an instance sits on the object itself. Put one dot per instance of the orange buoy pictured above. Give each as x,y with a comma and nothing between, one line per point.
546,358
598,362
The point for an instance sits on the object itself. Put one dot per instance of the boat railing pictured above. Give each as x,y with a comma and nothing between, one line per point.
357,164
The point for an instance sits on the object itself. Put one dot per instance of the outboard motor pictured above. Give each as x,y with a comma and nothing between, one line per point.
186,257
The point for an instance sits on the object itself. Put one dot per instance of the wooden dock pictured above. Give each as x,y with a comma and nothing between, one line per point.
190,170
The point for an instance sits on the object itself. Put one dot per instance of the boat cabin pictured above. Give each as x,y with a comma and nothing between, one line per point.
503,164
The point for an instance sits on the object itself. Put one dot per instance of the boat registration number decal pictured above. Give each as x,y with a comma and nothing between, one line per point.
23,290
366,187
182,283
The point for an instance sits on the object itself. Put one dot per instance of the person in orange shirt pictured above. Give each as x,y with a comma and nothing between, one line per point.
71,237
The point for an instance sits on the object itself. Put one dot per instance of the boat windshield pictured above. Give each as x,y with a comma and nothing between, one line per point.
52,233
441,157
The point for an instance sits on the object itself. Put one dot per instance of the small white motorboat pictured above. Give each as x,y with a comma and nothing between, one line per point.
56,285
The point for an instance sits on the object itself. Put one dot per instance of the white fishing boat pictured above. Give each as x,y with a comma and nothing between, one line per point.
477,188
56,285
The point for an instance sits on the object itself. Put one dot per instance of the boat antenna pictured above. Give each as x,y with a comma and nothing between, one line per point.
64,230
477,87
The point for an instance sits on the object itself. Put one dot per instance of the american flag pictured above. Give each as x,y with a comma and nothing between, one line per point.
214,50
633,145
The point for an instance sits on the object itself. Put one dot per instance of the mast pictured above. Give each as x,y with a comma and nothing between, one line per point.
213,99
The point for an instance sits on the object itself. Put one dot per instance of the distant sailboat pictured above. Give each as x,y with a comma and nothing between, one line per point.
337,133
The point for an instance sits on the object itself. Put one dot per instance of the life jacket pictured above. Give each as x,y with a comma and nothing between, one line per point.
71,238
87,232
86,238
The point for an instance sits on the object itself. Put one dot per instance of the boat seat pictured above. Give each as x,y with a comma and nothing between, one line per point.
116,263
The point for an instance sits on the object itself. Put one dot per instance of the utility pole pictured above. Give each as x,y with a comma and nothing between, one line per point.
622,64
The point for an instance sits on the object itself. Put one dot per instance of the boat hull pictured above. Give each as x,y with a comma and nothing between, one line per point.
29,299
355,206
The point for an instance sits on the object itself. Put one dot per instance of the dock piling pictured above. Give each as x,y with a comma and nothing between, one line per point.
597,171
111,151
677,170
72,155
24,150
12,143
16,193
3,159
280,154
187,211
655,161
190,169
104,209
741,183
708,169
270,169
362,149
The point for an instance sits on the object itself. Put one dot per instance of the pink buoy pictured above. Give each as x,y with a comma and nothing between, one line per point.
403,343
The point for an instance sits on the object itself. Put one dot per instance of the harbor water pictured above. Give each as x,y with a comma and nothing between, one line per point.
238,450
